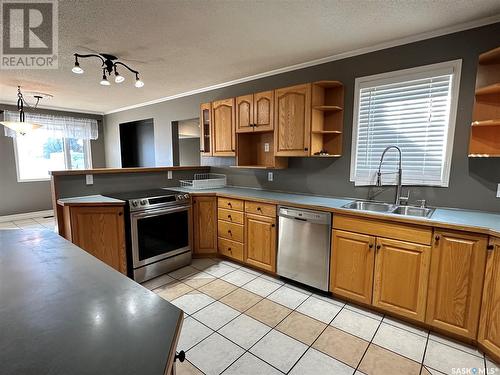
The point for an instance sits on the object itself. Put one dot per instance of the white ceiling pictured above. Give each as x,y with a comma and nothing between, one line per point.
190,44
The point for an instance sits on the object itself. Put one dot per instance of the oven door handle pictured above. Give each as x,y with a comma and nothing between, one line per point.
158,212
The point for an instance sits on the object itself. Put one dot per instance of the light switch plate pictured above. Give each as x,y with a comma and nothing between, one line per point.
169,175
266,147
498,191
270,176
89,179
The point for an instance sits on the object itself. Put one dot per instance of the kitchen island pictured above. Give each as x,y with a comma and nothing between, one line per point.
62,311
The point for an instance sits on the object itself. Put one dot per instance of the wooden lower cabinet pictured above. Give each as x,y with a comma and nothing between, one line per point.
489,322
260,241
205,225
456,282
401,277
99,230
351,268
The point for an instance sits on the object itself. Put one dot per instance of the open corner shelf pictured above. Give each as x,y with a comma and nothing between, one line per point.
488,90
327,119
490,57
495,122
484,139
328,108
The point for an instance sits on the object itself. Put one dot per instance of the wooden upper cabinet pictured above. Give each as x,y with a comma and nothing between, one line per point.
99,230
292,117
263,103
223,127
254,113
205,224
206,129
351,265
489,323
244,114
260,242
456,281
401,277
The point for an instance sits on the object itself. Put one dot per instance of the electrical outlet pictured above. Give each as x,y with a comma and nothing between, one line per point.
270,176
498,191
89,179
169,175
266,147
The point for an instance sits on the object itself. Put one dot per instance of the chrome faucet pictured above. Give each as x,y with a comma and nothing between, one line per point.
398,198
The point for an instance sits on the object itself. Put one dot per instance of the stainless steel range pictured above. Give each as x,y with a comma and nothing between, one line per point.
159,231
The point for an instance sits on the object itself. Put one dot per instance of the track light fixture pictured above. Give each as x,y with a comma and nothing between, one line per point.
109,66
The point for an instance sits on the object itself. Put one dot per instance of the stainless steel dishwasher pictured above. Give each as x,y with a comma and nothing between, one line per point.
304,246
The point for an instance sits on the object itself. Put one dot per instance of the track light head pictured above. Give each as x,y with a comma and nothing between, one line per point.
138,82
104,80
77,69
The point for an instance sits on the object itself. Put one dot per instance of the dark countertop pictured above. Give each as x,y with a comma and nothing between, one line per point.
62,311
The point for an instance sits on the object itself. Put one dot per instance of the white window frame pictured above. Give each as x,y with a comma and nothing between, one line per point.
67,158
449,67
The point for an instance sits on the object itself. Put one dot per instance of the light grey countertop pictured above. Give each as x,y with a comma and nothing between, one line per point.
65,312
90,199
482,221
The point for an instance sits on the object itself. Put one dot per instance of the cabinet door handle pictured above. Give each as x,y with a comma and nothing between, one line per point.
370,246
229,231
273,225
379,247
229,216
437,238
229,249
120,213
259,209
306,149
490,247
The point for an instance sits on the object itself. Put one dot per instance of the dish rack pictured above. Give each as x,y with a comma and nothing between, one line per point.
205,181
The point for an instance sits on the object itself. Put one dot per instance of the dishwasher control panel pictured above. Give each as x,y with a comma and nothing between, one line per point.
305,215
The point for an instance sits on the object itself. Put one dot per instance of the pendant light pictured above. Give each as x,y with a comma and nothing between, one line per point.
22,127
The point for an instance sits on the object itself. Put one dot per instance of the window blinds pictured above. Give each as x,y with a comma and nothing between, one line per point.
413,114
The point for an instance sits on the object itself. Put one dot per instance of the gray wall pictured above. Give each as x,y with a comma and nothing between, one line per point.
189,151
472,182
21,197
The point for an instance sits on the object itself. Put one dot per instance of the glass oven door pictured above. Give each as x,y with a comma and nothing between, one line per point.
160,233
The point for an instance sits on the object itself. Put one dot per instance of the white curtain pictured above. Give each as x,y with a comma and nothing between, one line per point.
58,126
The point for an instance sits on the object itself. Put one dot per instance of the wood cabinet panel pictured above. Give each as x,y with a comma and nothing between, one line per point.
223,127
205,225
101,232
230,231
263,105
231,204
260,242
401,277
292,108
351,268
258,208
455,282
244,114
231,216
231,249
489,323
385,229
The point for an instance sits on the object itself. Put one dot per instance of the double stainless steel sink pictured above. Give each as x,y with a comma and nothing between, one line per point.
388,208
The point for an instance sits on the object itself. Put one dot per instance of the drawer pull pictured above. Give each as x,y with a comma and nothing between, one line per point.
370,246
229,204
259,209
437,238
229,231
273,225
229,216
379,247
490,247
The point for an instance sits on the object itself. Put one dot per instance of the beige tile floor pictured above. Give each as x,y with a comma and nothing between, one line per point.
34,223
239,321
